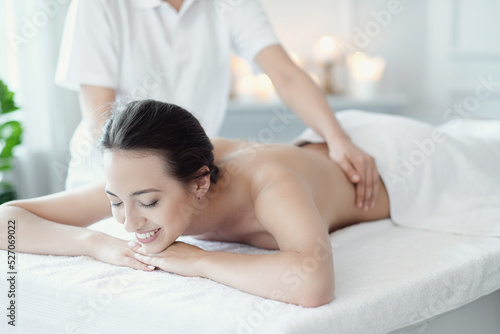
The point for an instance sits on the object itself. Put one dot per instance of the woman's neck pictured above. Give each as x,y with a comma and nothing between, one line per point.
220,209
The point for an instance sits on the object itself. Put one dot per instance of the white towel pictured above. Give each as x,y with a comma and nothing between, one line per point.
444,178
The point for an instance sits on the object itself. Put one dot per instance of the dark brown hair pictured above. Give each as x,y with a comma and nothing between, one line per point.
165,129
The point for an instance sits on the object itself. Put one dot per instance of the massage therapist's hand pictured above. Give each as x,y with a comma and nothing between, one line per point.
360,169
106,248
179,258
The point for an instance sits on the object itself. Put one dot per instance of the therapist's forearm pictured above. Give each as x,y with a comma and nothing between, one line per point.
310,104
95,106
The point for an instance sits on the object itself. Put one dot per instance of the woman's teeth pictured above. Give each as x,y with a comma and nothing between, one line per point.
146,235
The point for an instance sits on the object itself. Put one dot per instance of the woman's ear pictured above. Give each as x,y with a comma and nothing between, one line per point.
202,184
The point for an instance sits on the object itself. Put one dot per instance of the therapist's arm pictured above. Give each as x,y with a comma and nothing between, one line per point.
95,104
299,92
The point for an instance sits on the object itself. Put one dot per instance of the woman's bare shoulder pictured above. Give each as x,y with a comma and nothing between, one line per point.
224,146
255,156
266,161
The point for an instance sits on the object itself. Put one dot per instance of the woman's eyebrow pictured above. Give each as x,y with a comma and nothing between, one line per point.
109,193
136,193
144,191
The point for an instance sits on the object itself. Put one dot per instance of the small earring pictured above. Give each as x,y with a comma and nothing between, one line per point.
199,197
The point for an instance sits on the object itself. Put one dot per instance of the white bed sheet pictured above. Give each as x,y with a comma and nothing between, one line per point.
387,277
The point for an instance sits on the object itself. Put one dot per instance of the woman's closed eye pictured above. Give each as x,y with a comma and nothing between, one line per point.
149,205
115,205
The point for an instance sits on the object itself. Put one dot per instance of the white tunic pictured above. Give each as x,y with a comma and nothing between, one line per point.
146,49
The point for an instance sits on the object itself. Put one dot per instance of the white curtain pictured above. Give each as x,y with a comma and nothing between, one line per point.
30,35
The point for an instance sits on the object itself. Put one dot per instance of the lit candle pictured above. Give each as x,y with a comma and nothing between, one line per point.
364,68
239,69
327,49
327,54
239,66
365,72
246,87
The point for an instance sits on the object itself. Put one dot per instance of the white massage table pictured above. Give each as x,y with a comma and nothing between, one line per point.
388,279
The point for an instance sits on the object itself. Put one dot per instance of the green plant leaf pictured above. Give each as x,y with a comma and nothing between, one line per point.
7,192
10,136
7,103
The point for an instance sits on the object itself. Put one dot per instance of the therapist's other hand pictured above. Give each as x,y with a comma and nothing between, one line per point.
106,248
360,169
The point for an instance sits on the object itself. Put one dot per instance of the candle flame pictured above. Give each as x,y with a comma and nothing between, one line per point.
364,68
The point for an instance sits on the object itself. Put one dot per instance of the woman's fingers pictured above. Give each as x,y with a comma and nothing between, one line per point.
135,249
137,264
133,245
150,261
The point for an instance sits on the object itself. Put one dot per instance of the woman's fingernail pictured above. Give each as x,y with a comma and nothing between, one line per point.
151,267
137,255
132,243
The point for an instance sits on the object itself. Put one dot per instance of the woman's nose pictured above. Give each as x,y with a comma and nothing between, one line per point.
133,222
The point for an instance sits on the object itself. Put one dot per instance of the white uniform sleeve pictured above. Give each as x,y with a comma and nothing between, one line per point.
88,53
250,30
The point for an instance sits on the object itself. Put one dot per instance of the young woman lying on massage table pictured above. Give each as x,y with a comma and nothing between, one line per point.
164,178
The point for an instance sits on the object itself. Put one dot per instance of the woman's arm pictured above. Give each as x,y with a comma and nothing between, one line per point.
55,225
36,227
81,206
304,97
36,235
301,273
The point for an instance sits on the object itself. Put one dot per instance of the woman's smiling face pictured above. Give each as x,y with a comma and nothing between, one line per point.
154,205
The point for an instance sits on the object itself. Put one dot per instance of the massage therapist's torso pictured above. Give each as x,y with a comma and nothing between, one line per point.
242,162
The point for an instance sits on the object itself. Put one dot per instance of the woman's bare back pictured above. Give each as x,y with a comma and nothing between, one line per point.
333,194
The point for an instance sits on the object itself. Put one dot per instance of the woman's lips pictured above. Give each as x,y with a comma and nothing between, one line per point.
148,236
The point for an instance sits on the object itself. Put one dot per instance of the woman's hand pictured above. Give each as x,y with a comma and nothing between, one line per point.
179,258
106,248
360,169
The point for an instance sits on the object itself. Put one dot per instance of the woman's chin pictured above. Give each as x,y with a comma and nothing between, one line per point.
156,247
